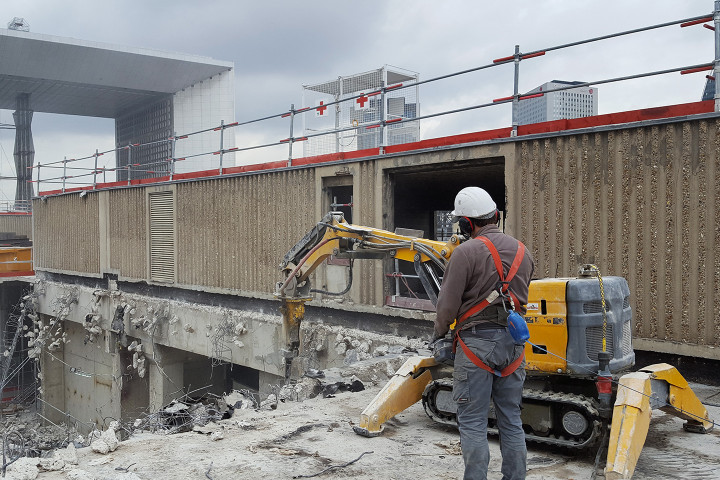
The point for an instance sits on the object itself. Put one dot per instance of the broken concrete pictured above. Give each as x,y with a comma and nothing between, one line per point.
23,469
129,352
107,441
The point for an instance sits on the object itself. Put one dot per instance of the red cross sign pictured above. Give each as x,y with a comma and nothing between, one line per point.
320,110
362,103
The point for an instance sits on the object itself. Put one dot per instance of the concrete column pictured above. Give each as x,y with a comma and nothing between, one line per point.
104,230
267,381
166,376
24,152
53,387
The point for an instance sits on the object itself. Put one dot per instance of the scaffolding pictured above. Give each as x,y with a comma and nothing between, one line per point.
356,116
17,370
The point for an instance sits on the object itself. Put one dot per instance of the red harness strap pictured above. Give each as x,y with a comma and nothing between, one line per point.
519,255
500,373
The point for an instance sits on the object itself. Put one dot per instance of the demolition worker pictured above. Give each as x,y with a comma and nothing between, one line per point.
488,364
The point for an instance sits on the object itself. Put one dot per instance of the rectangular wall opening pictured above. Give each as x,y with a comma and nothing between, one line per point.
422,199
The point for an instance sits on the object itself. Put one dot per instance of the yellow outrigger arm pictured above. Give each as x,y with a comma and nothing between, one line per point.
656,386
403,390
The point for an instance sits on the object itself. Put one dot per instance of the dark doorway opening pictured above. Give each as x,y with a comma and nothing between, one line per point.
423,198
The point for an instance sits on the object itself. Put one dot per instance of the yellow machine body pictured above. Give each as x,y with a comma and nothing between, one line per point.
547,322
404,389
657,386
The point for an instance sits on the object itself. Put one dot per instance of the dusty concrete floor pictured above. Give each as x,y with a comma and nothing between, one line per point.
303,438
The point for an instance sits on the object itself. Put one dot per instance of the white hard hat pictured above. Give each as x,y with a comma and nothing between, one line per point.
474,202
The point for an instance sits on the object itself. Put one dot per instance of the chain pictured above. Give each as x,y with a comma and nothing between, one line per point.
604,309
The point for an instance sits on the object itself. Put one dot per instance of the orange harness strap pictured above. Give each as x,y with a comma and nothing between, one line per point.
499,373
519,255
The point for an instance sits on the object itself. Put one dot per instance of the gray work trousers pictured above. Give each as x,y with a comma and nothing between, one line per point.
472,389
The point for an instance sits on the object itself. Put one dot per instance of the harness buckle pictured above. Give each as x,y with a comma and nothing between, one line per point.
502,287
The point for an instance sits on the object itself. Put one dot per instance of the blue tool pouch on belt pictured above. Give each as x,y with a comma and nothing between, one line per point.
517,327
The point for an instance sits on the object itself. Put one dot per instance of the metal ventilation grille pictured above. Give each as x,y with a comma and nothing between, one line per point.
162,237
627,338
626,302
593,341
594,307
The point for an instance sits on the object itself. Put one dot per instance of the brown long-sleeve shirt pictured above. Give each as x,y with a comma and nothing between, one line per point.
471,275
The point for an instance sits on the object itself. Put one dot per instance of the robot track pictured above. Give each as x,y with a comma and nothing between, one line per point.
551,418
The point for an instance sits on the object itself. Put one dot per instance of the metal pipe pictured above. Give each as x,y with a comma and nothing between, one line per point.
64,173
516,100
129,160
222,145
290,142
397,279
172,156
383,110
95,170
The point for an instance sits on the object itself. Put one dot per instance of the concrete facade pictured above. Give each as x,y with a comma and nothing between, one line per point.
20,224
200,106
637,200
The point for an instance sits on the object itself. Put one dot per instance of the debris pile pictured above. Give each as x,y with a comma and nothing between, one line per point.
27,436
186,413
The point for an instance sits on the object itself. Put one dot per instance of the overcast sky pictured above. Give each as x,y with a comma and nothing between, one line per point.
279,45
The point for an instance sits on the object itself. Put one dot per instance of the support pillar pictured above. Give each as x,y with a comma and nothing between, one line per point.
24,152
52,395
166,376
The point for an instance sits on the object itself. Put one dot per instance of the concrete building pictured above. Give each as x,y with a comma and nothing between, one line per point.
556,105
151,95
186,269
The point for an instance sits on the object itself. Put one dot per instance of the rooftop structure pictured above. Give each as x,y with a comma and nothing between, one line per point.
367,109
150,94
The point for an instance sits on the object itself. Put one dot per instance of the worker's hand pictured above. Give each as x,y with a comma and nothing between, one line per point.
434,341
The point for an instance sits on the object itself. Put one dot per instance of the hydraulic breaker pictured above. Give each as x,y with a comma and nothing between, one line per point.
403,390
657,386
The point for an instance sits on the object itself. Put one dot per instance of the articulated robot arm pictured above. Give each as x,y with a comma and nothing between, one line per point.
333,236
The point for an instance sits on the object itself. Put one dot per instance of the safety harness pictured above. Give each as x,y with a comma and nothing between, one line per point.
503,289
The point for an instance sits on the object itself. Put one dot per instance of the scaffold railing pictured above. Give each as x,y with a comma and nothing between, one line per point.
15,206
64,175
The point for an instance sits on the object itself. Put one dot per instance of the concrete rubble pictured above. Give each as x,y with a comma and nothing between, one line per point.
107,441
305,428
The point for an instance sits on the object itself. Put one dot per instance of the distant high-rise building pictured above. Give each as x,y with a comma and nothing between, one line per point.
572,103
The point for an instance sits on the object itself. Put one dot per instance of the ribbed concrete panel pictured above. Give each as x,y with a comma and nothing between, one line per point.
366,207
128,240
67,234
640,203
232,233
20,224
